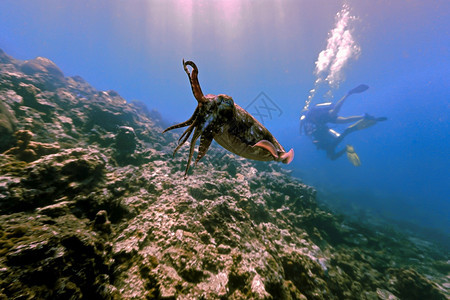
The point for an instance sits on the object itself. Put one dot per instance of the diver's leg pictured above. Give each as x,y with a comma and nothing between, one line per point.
333,155
337,107
364,123
346,132
336,138
361,124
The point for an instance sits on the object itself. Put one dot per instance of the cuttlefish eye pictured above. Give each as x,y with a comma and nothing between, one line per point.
225,100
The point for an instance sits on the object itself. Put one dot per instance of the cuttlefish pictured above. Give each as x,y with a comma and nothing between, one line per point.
218,117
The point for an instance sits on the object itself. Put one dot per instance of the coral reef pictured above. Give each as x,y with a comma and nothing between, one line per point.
93,206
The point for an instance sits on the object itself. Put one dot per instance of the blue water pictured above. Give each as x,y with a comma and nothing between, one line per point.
243,48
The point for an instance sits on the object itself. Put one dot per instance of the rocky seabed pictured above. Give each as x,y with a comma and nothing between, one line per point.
94,206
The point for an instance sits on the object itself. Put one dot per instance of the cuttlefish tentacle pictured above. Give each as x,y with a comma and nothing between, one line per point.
195,136
193,79
205,142
185,123
187,133
196,90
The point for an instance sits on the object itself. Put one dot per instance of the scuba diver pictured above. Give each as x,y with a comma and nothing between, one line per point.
314,120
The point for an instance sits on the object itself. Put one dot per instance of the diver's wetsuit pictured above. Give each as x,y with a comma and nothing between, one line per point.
314,124
323,113
327,139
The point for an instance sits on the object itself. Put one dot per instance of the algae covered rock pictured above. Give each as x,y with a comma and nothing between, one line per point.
29,151
8,125
51,179
44,71
411,285
52,258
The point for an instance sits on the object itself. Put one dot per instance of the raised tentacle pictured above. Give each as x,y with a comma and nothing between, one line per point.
193,79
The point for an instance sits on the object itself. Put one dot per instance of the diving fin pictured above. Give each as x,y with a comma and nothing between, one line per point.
359,89
365,123
368,121
352,156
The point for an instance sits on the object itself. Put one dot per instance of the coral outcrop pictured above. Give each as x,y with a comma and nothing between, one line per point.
94,206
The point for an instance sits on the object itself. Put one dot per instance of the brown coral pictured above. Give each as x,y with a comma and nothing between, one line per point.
29,151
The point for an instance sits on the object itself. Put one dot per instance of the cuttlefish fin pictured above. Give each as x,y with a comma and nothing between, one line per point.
287,157
265,144
284,157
